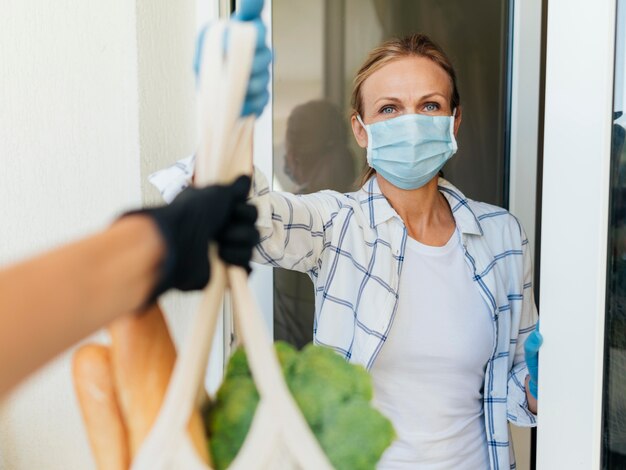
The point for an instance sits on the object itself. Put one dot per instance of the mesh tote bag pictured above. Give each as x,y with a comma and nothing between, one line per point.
279,437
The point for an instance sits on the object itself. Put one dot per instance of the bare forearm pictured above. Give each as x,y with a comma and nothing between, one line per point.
54,300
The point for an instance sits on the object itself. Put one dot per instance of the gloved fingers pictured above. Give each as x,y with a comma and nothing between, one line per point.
255,105
196,217
257,94
200,271
533,343
240,188
197,56
257,86
239,235
260,45
531,346
236,256
184,274
261,62
244,213
249,10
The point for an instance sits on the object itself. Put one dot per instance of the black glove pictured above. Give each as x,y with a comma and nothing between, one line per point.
195,218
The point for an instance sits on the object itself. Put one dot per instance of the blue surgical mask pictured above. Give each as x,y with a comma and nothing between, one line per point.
408,151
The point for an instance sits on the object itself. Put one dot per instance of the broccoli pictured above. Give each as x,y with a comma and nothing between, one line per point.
237,365
332,394
228,419
322,380
360,450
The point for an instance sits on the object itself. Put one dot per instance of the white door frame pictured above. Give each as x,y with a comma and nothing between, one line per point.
525,96
577,142
262,279
525,88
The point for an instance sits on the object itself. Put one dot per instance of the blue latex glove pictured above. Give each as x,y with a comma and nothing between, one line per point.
257,95
531,352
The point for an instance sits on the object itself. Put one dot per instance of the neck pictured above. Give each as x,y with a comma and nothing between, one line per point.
424,211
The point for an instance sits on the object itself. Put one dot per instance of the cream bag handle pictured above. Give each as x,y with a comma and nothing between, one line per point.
224,153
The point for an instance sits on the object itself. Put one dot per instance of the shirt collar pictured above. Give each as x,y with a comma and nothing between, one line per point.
375,204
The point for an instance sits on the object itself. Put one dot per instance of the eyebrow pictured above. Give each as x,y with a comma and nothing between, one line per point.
398,100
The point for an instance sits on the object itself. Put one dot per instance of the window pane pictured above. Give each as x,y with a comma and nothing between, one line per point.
614,427
319,45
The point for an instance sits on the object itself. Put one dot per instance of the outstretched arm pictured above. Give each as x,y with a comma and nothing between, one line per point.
52,301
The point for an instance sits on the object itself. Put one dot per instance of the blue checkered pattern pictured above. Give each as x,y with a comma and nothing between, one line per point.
352,246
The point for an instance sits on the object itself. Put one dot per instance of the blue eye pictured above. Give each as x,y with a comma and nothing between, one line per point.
431,107
387,109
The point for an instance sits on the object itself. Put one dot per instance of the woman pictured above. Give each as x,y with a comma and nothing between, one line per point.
430,291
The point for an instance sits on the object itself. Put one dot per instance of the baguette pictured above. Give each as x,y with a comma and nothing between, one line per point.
142,358
106,432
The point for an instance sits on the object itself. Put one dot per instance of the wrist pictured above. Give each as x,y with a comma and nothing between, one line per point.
149,249
530,398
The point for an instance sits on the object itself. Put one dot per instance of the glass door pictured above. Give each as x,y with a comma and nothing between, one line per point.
319,45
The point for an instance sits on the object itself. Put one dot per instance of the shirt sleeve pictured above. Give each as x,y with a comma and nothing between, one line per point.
517,403
293,228
172,180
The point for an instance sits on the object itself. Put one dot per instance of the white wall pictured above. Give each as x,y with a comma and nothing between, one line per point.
81,121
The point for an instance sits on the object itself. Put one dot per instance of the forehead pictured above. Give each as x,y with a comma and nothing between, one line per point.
407,77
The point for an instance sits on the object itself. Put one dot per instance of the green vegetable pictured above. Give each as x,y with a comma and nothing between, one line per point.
229,420
332,394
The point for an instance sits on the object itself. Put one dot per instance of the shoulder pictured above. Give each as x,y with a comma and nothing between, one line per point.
329,198
330,204
497,222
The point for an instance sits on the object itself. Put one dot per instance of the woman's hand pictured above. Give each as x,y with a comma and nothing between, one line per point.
531,352
257,95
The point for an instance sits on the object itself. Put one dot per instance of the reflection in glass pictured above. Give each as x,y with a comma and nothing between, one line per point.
319,45
614,414
316,157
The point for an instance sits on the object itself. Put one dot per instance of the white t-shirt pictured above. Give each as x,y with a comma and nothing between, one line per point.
429,376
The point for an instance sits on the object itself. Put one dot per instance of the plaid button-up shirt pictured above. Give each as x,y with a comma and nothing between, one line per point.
352,246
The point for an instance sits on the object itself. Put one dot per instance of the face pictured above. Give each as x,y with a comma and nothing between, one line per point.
296,166
410,85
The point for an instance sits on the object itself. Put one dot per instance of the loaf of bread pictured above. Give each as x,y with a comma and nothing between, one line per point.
143,357
121,387
106,430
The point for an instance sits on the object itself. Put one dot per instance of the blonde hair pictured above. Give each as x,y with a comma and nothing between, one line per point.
418,45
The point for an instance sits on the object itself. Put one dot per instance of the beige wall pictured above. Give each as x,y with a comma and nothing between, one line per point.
93,96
